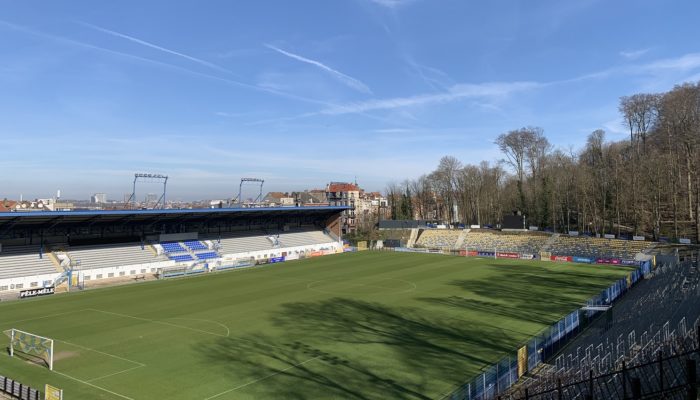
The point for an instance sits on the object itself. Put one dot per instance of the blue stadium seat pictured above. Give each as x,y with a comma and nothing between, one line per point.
195,245
207,255
173,247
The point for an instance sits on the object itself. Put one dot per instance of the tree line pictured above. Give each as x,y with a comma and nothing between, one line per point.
647,184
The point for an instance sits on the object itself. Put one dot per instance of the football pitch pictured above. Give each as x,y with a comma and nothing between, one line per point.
370,325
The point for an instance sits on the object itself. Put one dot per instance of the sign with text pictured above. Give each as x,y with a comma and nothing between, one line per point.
52,393
562,258
25,294
507,255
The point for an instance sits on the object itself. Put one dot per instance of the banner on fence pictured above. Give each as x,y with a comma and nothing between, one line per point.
544,255
561,258
507,255
527,256
52,393
628,262
583,260
485,253
638,238
522,361
276,260
609,236
25,294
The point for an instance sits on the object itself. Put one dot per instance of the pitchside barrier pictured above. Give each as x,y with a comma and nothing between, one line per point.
18,390
500,376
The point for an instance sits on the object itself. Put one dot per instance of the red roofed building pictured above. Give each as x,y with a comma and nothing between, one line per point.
344,194
7,205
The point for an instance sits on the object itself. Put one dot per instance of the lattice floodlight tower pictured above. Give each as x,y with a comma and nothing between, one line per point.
149,178
254,181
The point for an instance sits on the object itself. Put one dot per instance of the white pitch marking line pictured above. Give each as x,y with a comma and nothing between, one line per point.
158,322
42,317
261,379
184,327
116,373
102,352
228,331
93,385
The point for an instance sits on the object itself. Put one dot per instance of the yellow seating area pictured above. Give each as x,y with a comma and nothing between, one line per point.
525,243
438,238
584,246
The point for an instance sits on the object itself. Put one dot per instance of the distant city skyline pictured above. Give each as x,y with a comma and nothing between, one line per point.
304,93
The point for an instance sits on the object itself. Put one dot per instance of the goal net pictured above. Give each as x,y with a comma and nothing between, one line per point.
31,345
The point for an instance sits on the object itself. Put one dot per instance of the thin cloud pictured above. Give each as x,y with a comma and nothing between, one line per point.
456,92
161,64
633,54
686,62
345,79
156,47
392,4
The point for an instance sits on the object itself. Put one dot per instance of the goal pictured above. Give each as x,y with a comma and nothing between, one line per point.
32,345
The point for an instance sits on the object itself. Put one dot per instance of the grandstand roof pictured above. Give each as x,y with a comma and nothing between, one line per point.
55,218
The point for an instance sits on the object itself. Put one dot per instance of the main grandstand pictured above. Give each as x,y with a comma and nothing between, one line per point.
63,249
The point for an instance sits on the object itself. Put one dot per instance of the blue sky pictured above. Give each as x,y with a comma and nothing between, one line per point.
300,93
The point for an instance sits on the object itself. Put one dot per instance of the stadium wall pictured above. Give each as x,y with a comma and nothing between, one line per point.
26,282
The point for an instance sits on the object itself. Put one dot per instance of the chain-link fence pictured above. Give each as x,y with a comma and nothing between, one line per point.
628,332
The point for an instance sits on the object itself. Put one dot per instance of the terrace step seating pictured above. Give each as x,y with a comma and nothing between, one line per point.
100,256
402,236
242,242
584,246
24,261
303,238
439,238
524,243
257,240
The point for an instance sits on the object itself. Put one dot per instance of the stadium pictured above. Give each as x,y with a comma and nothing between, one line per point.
350,200
271,303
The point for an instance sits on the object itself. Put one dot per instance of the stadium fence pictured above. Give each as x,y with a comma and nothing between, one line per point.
503,374
17,390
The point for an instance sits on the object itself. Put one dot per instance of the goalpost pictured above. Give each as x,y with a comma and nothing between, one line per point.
31,344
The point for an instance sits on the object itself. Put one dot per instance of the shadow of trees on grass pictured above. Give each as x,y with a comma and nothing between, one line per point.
354,349
360,350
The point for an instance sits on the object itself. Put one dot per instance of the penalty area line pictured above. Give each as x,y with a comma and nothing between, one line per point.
261,379
93,385
116,373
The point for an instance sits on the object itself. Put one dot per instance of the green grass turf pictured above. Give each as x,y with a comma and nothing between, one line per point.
352,326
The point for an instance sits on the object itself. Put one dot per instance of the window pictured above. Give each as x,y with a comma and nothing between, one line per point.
122,273
3,288
143,271
133,272
153,270
110,275
34,284
87,277
19,286
98,276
